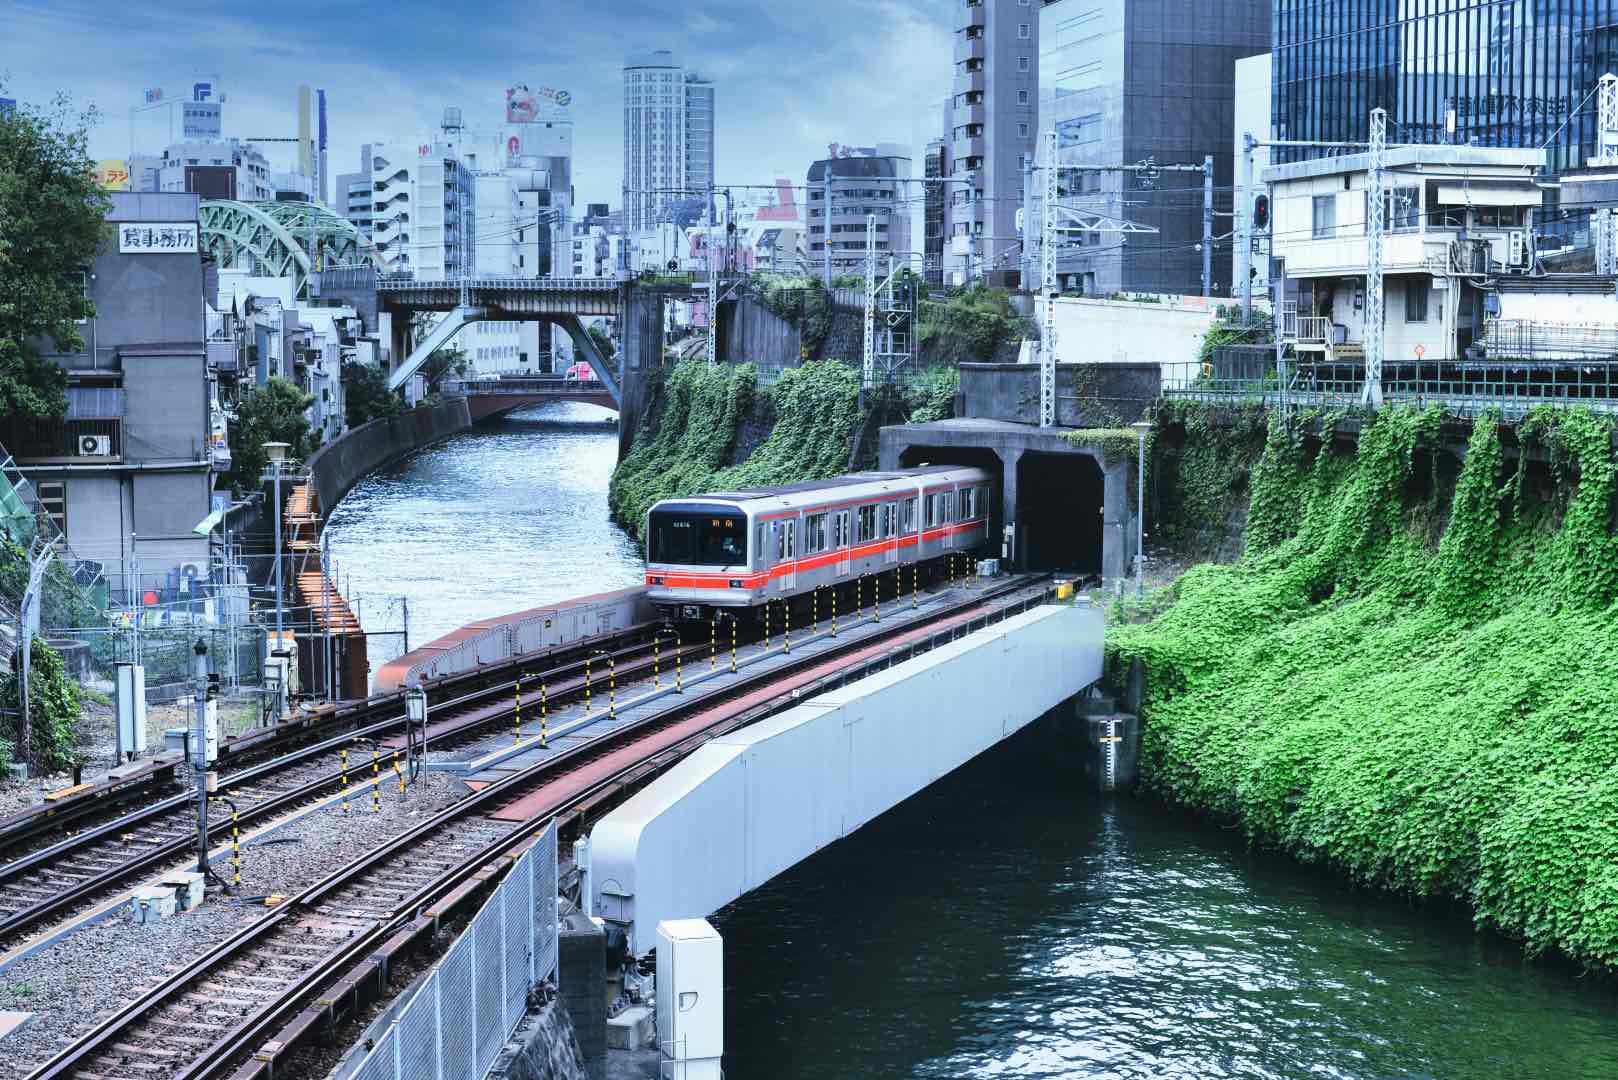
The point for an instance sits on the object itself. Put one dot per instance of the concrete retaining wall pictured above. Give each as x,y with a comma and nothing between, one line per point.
337,467
1087,395
1128,331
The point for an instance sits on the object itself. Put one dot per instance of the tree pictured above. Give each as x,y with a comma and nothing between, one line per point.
450,360
603,341
366,396
53,709
52,223
273,412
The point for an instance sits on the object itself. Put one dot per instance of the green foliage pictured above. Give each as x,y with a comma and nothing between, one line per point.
603,341
52,222
1427,714
53,704
1203,455
366,396
688,443
801,301
931,395
1232,329
269,413
970,326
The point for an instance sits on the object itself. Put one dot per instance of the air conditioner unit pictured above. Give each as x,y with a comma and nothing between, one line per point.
95,445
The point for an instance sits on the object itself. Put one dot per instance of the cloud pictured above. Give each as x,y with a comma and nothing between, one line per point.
789,78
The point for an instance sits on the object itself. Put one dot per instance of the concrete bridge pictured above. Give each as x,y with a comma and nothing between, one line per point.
497,396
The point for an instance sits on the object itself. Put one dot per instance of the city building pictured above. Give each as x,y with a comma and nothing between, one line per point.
668,136
1251,103
1457,222
312,142
353,193
861,182
422,208
993,114
217,169
127,474
1487,74
935,215
1128,88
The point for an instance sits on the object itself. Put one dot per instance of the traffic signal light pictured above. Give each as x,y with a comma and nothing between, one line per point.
1261,212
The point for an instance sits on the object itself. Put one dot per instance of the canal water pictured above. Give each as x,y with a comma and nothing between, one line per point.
1004,923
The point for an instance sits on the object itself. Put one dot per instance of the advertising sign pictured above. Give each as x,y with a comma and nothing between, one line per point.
201,91
158,238
112,174
200,120
525,106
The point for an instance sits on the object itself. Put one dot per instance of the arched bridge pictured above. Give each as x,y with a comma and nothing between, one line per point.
491,397
273,239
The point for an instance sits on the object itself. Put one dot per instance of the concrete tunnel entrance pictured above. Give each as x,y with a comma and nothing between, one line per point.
1061,511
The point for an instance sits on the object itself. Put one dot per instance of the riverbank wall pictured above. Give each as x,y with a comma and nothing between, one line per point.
337,467
1406,675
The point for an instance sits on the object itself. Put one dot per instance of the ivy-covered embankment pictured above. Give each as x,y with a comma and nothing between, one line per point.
713,429
1411,676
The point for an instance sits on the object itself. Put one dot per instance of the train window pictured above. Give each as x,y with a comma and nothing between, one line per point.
888,512
840,523
760,547
969,504
935,510
814,533
698,538
785,540
867,524
908,517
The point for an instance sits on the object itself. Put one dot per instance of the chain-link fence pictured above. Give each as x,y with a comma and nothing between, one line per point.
470,1003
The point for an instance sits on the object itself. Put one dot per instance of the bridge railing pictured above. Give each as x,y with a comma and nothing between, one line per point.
555,384
411,283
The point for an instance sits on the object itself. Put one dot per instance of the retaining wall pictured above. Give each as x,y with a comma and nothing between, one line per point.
337,467
1087,395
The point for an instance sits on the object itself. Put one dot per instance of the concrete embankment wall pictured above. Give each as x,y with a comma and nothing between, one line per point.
336,468
1087,395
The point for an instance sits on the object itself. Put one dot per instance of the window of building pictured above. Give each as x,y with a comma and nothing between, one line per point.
1416,294
1022,63
1325,217
1022,131
1495,217
1022,97
1023,31
53,500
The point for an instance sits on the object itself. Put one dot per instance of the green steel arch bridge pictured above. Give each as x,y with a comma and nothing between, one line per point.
274,239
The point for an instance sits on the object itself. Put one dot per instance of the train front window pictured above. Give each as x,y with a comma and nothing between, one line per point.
694,539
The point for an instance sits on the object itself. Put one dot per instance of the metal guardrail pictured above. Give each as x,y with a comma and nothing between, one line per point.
508,284
1460,387
470,1003
532,385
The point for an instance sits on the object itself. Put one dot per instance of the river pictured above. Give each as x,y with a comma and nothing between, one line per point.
1004,922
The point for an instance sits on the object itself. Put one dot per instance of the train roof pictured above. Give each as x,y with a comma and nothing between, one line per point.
830,483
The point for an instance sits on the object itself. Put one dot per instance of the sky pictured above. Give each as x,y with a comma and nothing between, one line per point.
790,77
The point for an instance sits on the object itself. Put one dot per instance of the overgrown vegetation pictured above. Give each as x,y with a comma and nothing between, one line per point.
366,396
693,439
970,326
801,301
53,704
1202,459
1233,329
273,412
1408,676
52,222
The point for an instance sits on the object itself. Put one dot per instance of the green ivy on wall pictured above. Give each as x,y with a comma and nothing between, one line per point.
1425,709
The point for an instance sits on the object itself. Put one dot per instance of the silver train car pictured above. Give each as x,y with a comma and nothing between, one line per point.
744,549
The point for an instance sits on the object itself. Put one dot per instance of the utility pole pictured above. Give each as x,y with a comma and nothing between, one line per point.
201,747
1605,225
1376,223
1244,226
826,186
713,291
868,364
1207,225
1047,285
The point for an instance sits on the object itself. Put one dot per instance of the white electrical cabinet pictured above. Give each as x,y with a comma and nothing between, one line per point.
690,999
130,683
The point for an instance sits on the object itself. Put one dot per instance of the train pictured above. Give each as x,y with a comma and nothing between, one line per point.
732,553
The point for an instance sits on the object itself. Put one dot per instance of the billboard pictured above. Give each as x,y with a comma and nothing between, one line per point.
200,120
211,181
158,238
201,91
112,174
526,106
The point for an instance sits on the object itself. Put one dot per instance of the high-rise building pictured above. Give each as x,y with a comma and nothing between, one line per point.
864,182
1512,74
993,113
353,193
668,135
1140,84
312,141
935,222
422,209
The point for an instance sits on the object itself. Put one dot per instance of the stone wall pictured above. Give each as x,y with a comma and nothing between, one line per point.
1087,395
337,467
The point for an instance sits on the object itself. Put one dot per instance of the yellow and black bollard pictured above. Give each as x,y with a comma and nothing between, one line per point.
544,716
343,754
769,610
859,598
376,781
786,626
913,600
657,660
834,611
235,846
516,728
679,667
612,687
398,773
587,660
733,623
713,642
814,611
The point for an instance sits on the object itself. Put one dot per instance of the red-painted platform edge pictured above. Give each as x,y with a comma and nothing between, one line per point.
391,675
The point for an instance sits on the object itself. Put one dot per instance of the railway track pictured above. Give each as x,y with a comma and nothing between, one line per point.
249,995
67,876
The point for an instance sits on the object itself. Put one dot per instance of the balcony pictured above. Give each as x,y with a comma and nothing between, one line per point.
1347,254
222,356
967,82
970,13
69,440
970,48
969,148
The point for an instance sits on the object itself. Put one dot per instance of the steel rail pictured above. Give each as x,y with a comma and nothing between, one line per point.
247,1035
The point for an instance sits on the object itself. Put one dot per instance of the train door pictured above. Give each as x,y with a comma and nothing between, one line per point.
786,552
840,541
887,526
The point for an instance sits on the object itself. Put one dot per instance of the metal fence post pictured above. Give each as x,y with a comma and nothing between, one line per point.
438,1028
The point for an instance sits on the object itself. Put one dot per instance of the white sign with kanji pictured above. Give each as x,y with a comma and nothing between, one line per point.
158,238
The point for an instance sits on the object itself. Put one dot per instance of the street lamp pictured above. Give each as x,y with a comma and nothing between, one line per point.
1141,428
278,453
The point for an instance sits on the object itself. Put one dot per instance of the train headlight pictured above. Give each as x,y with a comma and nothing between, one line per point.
657,580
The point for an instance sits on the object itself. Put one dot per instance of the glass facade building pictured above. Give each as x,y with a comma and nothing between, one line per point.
1512,72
